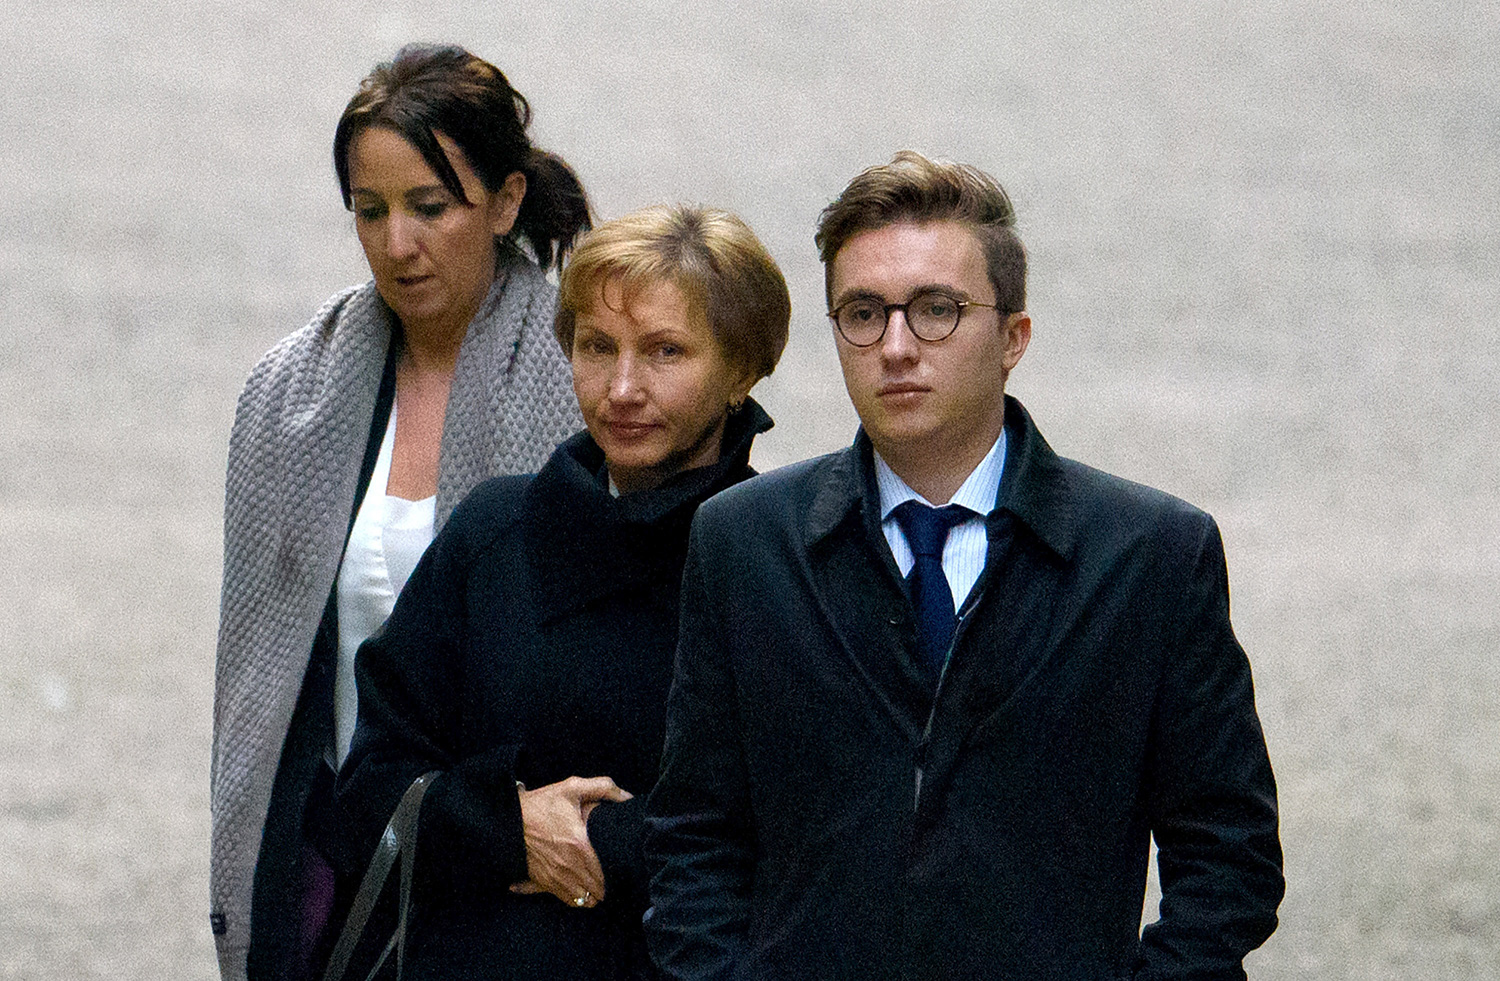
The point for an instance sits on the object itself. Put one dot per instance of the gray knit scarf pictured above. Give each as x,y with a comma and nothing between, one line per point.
294,455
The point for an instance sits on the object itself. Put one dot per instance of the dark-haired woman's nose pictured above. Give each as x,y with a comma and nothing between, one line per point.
402,236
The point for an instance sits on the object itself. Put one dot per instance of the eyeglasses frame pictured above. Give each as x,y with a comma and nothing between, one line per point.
886,308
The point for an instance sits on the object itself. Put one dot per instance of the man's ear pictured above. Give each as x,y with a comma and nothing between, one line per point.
1017,329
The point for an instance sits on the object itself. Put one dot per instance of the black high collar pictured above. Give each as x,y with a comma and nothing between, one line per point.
585,543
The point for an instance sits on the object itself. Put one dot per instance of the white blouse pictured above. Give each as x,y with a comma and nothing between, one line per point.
389,536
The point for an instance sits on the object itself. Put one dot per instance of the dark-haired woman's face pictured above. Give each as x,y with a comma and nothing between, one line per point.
432,255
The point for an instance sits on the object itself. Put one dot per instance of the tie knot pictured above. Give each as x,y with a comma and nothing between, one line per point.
926,528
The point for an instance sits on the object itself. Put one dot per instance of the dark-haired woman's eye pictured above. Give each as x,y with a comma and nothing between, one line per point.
371,213
431,209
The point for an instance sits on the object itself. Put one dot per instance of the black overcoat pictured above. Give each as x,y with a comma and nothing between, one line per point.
533,642
824,812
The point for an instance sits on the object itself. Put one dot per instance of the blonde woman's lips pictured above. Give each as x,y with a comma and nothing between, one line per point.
629,430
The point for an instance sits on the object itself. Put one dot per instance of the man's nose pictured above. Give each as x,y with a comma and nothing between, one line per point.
898,343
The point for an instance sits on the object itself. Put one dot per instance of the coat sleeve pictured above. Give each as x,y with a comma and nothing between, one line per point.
1211,794
410,697
616,831
699,835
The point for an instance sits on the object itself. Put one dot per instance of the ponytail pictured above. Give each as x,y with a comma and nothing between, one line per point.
555,210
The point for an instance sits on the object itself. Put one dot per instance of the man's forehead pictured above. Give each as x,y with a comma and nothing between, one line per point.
909,253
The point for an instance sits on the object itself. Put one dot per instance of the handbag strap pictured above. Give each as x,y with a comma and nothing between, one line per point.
398,839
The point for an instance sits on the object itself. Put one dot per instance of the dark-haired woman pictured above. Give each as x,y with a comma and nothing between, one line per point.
528,661
353,440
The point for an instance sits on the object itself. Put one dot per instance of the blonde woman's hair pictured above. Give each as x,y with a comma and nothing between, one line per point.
724,272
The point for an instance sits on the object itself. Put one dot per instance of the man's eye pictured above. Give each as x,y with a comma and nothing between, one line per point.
937,306
863,311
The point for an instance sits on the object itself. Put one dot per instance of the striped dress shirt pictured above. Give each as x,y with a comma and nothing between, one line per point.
967,546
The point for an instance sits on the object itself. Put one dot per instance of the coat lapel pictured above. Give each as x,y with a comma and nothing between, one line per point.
1012,644
1010,640
1008,643
859,591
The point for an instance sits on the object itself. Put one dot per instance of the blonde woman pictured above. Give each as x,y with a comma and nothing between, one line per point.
530,657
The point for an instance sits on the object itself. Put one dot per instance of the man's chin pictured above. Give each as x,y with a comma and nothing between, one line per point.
901,438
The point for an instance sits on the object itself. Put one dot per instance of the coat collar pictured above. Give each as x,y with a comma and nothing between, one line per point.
1033,489
585,543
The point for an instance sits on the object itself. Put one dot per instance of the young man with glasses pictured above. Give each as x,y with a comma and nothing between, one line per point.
936,693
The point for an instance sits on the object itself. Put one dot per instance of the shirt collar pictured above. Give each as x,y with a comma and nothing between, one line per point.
977,493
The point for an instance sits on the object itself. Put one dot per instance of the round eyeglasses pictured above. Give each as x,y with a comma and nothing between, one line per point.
930,316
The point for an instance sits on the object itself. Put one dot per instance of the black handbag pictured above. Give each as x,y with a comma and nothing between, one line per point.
398,839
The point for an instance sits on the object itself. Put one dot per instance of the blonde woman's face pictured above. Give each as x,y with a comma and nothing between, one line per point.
653,382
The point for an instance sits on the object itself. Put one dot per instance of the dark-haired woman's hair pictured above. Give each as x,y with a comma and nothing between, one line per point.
444,89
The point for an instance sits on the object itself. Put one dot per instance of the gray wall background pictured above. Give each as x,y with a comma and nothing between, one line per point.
1264,242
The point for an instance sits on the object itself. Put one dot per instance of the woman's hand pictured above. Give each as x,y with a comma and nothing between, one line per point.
559,857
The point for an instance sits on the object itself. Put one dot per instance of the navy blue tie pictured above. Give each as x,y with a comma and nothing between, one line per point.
926,530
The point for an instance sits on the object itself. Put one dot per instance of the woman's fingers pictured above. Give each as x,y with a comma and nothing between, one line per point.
591,790
583,900
594,789
559,857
